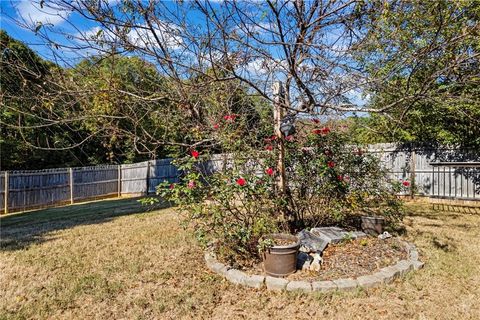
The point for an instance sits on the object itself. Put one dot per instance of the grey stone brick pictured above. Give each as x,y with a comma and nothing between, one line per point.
413,255
275,283
303,286
218,267
346,284
324,286
255,281
417,265
388,274
369,281
236,276
404,266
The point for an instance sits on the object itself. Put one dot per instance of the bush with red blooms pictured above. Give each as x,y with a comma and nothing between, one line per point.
329,181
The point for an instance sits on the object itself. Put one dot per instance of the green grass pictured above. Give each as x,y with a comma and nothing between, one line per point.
108,260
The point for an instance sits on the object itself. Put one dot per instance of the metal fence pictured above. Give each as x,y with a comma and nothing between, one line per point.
434,172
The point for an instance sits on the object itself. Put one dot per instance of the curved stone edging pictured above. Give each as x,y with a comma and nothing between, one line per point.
385,275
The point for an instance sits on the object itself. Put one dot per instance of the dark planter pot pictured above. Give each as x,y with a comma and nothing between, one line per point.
280,261
373,225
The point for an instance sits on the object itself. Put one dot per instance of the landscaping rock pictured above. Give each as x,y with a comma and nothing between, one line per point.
404,266
302,286
218,267
369,281
336,234
384,235
329,234
275,283
303,261
417,265
255,281
388,274
413,255
324,286
310,242
236,276
346,284
214,265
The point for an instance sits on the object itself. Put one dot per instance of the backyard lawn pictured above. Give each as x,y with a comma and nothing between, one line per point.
110,260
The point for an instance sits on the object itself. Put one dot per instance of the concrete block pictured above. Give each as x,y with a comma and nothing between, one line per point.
276,283
324,286
303,286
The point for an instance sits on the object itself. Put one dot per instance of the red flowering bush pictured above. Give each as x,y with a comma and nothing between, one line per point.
329,182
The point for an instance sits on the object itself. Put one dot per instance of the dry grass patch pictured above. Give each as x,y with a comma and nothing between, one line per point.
99,261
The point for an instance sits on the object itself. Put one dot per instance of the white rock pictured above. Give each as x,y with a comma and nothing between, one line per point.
384,235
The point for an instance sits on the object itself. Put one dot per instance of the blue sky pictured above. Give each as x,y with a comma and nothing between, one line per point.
29,12
16,12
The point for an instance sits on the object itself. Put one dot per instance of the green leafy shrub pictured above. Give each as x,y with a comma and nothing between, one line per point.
329,182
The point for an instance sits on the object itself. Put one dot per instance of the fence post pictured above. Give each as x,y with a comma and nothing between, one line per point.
412,173
6,193
148,177
119,183
70,178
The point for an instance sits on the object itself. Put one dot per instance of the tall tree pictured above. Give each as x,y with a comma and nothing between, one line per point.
439,66
334,56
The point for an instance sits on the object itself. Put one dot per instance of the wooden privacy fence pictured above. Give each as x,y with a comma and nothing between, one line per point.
24,190
434,172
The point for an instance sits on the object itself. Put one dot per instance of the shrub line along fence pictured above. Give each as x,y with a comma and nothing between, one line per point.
436,173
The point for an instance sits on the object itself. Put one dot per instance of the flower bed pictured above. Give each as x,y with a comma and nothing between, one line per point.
296,283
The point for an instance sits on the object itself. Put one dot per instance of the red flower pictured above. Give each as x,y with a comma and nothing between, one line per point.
195,153
172,186
191,184
230,117
331,164
270,171
340,178
216,126
406,183
324,131
315,120
289,138
241,182
269,147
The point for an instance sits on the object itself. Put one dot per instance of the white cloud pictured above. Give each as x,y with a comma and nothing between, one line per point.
141,37
32,11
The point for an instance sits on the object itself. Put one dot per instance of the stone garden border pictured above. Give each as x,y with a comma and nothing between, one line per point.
384,276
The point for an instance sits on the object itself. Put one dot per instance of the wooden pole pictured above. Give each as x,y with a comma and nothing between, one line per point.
70,174
119,183
278,114
6,193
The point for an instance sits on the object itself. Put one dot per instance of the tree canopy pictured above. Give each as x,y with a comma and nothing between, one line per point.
155,78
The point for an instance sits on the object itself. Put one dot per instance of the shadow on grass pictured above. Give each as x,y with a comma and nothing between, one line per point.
18,231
